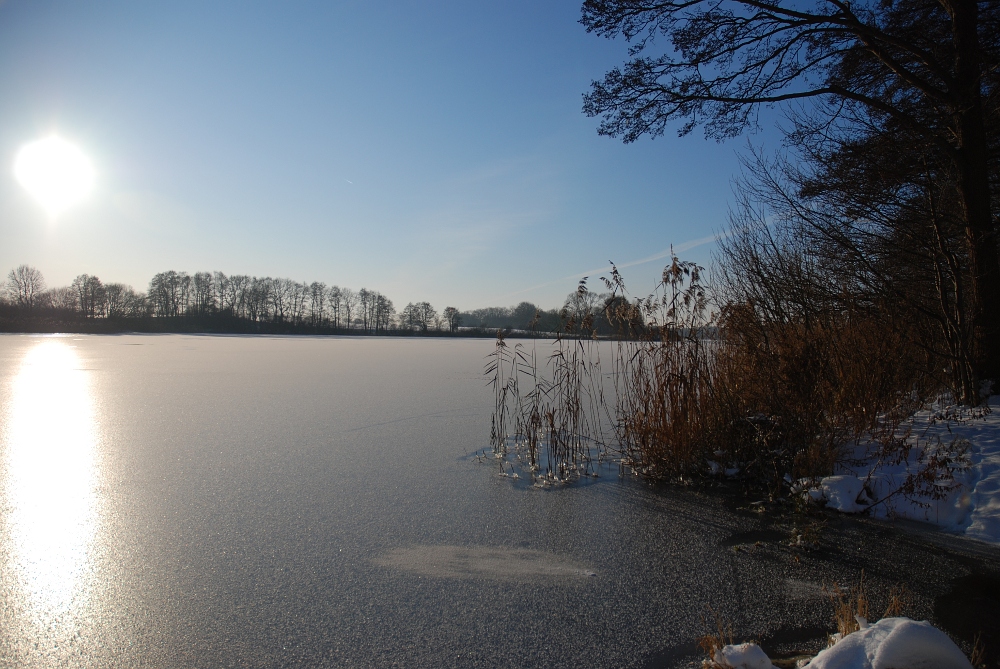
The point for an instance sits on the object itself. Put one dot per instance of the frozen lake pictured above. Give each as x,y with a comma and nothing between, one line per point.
202,501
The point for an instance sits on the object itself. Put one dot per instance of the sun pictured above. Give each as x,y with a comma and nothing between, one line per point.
55,172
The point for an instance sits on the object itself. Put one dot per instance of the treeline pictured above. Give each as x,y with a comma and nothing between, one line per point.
235,303
583,313
241,303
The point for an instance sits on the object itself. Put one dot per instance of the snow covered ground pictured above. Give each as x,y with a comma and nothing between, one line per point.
891,643
971,507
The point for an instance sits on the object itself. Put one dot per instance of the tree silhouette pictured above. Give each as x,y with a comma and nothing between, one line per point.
25,284
929,66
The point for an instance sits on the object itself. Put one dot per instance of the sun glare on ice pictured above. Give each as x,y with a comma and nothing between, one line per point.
55,172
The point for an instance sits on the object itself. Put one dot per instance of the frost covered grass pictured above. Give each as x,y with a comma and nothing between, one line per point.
639,400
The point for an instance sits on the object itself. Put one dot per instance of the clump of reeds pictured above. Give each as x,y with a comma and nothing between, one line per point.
900,600
659,376
714,641
550,423
852,608
770,393
663,373
792,393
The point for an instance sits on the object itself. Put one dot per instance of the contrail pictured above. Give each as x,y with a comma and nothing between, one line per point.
680,248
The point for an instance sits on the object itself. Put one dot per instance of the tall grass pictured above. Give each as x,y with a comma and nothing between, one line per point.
641,406
549,424
663,377
684,391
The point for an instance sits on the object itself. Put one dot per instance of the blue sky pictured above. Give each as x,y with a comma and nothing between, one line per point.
430,150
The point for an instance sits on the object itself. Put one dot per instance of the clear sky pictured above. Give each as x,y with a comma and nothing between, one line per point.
430,150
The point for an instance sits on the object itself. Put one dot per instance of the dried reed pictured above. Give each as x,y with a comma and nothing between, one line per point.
715,641
683,392
850,609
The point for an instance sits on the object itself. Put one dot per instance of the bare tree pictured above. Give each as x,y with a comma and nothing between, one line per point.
220,289
185,292
383,312
235,292
63,298
298,297
426,314
258,299
115,294
90,295
280,296
349,301
317,303
348,304
333,299
123,301
25,284
409,317
926,66
452,318
203,293
366,304
165,293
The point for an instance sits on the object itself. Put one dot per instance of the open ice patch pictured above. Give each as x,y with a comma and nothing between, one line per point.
506,564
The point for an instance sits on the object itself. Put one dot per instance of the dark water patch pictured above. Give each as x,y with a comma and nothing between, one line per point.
973,607
673,656
793,641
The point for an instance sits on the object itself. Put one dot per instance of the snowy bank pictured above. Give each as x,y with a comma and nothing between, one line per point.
891,643
969,505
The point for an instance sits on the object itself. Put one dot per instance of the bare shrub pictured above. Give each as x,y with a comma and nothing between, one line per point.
850,609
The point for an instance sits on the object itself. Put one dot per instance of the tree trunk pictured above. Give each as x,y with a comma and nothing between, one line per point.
973,173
